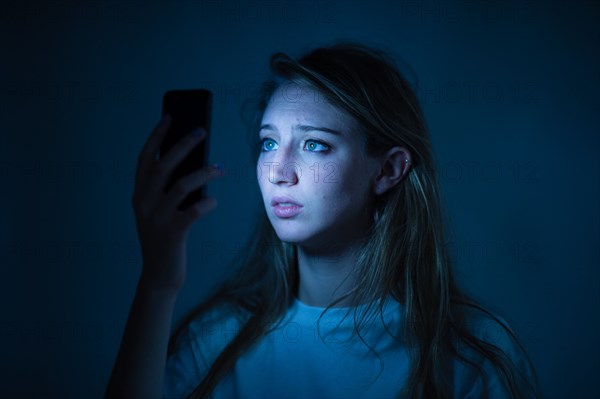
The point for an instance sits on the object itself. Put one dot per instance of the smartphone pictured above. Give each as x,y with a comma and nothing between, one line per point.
188,109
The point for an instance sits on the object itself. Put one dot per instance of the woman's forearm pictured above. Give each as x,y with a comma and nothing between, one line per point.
140,365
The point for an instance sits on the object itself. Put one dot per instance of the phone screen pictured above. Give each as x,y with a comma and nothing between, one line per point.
188,109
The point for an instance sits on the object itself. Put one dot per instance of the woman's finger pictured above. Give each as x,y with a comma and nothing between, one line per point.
180,190
150,150
181,149
163,169
187,217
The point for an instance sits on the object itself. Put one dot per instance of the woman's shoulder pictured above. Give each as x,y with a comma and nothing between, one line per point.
214,328
495,335
488,325
491,328
209,332
198,346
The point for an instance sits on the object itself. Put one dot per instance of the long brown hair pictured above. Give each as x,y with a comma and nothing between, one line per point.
405,256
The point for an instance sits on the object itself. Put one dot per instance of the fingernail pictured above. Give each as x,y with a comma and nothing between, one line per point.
198,132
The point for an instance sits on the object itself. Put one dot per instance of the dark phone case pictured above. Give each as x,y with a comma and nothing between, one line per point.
188,109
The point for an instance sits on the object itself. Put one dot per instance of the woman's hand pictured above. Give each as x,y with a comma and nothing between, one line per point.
161,227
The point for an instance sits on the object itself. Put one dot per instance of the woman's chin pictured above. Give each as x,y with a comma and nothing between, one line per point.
289,232
292,237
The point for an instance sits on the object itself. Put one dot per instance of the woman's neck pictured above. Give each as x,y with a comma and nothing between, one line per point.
325,276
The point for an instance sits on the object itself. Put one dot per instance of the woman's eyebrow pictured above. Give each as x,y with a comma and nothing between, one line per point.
306,128
303,128
267,126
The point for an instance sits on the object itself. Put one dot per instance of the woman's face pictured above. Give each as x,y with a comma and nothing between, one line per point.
313,172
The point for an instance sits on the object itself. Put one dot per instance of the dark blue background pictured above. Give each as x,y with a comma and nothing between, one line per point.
510,91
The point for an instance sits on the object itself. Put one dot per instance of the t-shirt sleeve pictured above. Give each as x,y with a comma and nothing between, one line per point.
186,366
196,350
471,384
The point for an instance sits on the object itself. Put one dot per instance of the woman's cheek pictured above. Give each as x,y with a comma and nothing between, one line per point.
325,172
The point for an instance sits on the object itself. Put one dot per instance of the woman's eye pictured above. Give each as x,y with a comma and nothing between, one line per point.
317,146
268,144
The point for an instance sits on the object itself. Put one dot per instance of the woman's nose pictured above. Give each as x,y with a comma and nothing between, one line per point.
283,169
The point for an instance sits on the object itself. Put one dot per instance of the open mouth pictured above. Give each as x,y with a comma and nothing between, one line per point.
285,207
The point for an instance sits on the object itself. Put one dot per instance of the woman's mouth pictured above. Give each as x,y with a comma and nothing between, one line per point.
285,207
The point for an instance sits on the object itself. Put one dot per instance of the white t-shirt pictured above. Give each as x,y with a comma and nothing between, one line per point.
294,361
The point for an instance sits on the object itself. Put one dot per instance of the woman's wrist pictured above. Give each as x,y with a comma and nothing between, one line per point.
154,288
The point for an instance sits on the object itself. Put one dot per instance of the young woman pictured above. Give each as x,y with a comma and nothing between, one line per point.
346,289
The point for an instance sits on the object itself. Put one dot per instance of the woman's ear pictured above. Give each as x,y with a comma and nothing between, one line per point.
395,164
